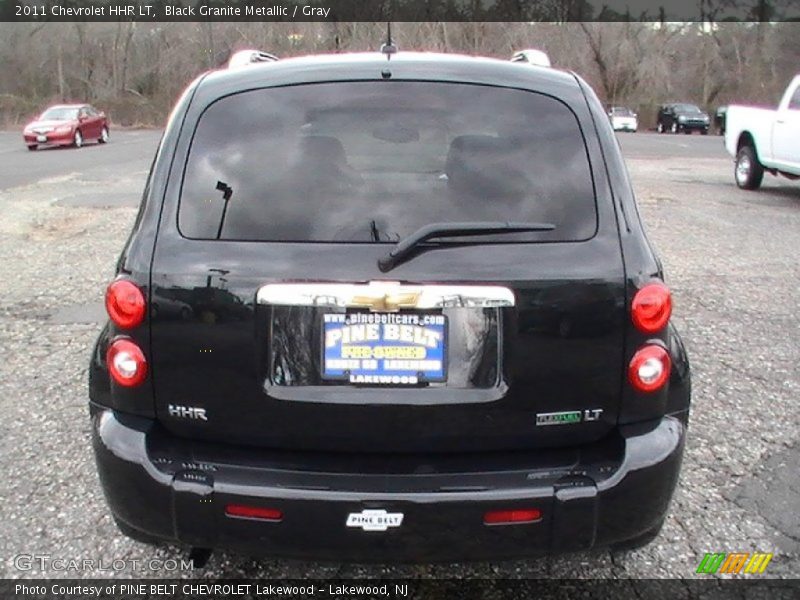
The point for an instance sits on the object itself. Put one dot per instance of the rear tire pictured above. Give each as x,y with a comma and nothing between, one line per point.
639,541
32,147
674,127
103,139
748,172
135,534
660,127
77,140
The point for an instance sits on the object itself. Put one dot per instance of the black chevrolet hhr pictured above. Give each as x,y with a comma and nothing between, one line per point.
407,311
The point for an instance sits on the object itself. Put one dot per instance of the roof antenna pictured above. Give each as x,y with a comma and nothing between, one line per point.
389,47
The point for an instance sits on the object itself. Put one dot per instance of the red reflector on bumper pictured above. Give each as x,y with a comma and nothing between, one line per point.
500,517
253,512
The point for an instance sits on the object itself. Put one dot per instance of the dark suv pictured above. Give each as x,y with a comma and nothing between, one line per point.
419,319
686,118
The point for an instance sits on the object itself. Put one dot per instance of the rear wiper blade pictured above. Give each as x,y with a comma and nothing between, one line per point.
407,245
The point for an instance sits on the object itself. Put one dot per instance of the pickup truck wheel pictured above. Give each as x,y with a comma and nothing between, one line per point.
660,128
749,171
674,128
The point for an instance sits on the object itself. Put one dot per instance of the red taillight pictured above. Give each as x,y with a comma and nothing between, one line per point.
520,515
253,512
649,368
651,308
126,363
125,304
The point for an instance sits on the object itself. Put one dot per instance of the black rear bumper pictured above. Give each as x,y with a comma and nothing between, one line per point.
592,496
693,126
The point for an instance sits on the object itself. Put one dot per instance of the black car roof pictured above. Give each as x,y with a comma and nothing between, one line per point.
375,66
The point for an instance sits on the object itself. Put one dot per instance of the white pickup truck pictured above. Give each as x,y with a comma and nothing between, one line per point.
765,140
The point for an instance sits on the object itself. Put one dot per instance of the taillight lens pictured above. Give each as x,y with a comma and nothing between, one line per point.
651,308
253,512
126,363
649,368
125,304
519,515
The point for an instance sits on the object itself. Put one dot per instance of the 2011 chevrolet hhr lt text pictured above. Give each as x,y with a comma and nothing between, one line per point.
379,310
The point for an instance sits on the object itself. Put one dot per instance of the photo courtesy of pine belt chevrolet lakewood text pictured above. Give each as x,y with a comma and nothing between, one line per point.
389,307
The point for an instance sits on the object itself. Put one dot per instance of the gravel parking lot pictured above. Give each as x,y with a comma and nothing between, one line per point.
731,259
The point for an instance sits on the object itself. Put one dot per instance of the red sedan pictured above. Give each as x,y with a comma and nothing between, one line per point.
67,125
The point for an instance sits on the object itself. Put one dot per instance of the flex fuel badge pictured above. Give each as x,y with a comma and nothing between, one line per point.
568,417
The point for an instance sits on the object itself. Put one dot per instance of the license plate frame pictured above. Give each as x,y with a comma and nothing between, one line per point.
420,357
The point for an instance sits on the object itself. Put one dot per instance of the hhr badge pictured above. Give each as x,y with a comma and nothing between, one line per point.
187,412
374,520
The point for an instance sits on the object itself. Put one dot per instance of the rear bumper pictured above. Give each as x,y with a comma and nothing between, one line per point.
51,138
694,126
177,490
625,125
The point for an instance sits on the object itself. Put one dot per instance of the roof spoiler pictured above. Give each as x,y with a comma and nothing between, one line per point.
243,58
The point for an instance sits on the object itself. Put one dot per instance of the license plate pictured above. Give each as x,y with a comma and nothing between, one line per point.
384,348
41,138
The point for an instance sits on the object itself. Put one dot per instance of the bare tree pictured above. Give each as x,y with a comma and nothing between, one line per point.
136,70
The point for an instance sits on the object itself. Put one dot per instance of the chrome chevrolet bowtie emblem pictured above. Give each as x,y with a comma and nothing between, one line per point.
382,302
385,296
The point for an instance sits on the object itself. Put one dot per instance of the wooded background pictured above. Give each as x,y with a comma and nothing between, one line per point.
135,71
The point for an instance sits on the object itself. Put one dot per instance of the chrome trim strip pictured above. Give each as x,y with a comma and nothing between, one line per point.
385,295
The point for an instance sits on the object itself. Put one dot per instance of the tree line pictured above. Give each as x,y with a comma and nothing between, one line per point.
135,71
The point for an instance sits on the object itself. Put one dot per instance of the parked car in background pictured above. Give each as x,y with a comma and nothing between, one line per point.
623,119
66,125
764,139
680,117
719,119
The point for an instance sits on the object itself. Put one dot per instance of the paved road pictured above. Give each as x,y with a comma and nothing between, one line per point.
129,150
731,260
133,150
653,145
